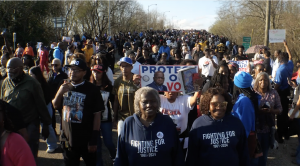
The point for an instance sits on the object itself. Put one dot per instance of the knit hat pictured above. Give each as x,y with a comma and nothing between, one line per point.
242,79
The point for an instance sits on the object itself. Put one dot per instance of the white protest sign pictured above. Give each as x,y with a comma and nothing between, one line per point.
170,74
66,39
276,35
243,65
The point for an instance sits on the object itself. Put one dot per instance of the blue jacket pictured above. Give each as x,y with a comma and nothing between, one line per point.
244,110
156,145
163,49
213,142
58,53
154,86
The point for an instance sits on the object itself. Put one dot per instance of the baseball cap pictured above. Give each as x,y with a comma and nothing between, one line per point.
56,61
99,68
126,60
79,63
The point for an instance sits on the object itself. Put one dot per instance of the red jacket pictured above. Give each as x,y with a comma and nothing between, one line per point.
29,51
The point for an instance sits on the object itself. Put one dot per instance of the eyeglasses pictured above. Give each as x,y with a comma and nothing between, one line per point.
220,104
75,70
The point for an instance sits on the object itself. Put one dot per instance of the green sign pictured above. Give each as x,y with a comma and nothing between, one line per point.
246,39
246,45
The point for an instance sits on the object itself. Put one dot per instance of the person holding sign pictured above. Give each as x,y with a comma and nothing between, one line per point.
158,82
284,71
178,107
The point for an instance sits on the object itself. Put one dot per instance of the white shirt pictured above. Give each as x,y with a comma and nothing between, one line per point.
207,66
276,65
178,110
258,56
136,68
67,54
168,42
110,75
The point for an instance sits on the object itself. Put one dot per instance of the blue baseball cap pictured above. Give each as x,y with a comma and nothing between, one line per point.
126,60
242,79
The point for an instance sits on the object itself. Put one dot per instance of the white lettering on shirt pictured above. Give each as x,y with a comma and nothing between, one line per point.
220,139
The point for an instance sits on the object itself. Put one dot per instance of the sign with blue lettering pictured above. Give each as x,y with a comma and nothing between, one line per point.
243,65
162,78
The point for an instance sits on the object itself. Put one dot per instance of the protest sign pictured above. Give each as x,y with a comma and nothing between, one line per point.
276,35
257,62
187,78
243,65
66,39
171,81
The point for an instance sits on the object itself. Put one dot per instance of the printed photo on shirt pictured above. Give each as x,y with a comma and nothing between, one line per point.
73,106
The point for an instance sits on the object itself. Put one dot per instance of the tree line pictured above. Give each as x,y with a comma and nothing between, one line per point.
237,19
32,20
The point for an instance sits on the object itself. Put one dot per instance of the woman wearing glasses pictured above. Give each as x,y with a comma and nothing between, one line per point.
217,137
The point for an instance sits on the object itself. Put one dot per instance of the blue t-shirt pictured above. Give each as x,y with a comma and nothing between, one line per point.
283,72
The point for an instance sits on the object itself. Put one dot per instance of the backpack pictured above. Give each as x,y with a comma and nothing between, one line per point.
51,55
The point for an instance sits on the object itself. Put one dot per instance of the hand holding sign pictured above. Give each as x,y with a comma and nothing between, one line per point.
136,79
197,80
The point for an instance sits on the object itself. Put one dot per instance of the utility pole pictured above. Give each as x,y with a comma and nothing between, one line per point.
148,14
108,33
268,6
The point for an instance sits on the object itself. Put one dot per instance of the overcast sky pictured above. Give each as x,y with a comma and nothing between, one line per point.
196,14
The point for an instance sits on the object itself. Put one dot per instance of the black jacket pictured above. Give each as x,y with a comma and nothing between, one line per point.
55,82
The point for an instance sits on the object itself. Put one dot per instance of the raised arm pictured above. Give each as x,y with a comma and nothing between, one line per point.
287,50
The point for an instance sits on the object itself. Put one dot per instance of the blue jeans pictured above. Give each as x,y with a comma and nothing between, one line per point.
106,130
264,139
51,140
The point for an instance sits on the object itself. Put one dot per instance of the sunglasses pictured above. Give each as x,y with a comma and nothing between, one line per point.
220,104
97,59
55,65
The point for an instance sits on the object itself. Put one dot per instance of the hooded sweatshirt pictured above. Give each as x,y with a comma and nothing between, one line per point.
244,110
156,145
58,53
217,142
